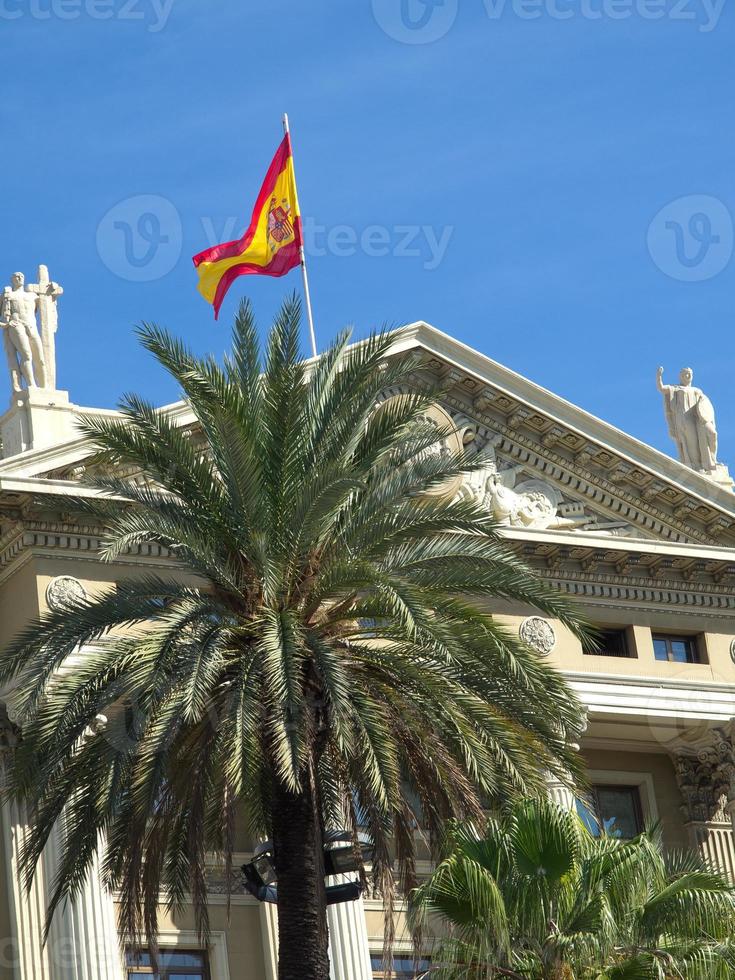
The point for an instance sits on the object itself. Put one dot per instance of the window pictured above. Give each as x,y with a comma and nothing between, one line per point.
404,967
614,809
677,649
173,964
610,643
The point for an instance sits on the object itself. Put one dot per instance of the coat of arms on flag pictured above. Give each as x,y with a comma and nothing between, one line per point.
279,223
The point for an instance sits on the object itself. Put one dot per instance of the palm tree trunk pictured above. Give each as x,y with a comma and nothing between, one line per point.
303,940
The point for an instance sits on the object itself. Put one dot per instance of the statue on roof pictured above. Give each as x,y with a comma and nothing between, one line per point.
31,354
691,421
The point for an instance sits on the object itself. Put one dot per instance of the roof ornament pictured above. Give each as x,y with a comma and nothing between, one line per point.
690,417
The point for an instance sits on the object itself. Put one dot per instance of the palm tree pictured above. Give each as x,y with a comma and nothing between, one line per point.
538,897
322,659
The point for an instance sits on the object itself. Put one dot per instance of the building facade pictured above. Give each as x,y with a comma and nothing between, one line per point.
644,543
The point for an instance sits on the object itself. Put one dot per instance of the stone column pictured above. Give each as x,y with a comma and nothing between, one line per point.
23,954
349,951
560,793
84,938
705,778
27,908
269,936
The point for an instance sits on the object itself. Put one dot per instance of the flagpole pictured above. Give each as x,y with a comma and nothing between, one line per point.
302,255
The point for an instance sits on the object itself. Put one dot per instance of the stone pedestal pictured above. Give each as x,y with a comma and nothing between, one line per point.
36,418
721,475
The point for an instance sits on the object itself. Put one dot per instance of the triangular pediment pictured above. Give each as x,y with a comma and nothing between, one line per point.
559,469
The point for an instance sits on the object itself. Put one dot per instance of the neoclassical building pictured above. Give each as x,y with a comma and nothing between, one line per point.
645,544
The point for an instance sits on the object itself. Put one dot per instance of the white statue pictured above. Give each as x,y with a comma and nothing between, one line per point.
31,355
691,421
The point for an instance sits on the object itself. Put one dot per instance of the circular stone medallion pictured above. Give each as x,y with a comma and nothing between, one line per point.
732,651
538,634
62,590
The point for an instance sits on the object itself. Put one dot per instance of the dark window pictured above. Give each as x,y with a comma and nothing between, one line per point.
616,810
610,643
404,967
677,649
173,964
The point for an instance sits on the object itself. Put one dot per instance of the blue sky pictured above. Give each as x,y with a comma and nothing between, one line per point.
556,192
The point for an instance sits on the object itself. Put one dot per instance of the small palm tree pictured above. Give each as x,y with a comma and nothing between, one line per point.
538,897
321,661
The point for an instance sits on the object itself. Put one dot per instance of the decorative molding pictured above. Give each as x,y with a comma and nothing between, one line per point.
604,486
63,591
706,779
538,633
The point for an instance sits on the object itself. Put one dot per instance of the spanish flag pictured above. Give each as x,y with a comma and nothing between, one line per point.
272,244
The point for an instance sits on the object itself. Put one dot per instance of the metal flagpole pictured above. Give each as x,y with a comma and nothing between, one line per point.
302,255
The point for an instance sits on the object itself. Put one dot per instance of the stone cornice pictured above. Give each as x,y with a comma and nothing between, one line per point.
70,540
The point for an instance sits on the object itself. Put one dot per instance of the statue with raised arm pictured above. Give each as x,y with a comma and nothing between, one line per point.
691,421
21,339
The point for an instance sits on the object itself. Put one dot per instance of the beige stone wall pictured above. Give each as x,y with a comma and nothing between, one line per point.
713,637
243,936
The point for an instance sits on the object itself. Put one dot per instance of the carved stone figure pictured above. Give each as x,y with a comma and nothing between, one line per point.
22,341
48,293
691,421
31,355
532,504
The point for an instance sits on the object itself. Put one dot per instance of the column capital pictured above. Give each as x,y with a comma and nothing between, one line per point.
705,772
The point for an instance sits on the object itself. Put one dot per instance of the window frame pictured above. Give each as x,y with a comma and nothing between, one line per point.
692,645
635,795
642,780
131,970
621,632
398,954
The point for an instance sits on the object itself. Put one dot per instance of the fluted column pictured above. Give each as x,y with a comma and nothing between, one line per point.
27,908
560,793
705,781
84,939
349,951
269,936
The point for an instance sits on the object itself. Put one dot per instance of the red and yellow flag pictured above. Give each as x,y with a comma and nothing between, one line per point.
272,244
